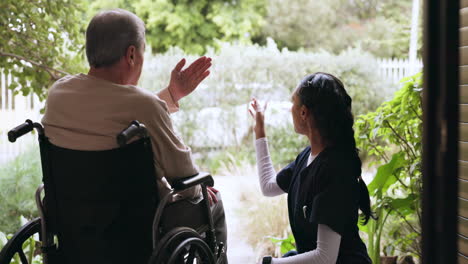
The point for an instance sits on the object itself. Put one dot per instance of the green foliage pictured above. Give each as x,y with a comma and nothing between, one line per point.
380,27
43,40
193,25
392,137
269,74
286,244
262,218
30,247
40,41
226,159
3,239
18,182
285,144
400,238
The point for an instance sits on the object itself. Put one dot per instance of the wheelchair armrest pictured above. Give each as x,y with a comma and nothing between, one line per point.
185,183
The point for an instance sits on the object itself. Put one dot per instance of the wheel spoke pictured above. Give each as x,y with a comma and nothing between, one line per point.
200,249
13,251
183,256
22,256
191,256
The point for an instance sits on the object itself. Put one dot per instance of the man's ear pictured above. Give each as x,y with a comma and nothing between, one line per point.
130,55
304,112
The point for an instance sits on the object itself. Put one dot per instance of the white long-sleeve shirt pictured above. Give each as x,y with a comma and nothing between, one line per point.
328,241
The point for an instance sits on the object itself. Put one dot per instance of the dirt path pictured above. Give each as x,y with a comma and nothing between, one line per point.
239,252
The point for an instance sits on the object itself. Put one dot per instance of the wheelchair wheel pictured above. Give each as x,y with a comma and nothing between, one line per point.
192,251
167,246
16,244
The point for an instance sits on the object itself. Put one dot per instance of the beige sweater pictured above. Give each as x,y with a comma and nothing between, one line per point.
86,113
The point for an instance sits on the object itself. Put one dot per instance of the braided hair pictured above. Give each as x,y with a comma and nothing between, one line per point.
325,96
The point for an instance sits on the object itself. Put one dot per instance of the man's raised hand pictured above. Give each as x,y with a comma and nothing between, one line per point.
183,82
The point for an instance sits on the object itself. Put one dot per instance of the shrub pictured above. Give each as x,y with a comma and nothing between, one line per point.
241,71
285,144
263,218
380,27
18,182
392,136
215,115
259,219
30,247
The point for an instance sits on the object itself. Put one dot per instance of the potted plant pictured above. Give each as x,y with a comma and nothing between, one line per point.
391,136
389,258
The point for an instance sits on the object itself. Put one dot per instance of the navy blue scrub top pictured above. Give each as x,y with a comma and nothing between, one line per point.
325,192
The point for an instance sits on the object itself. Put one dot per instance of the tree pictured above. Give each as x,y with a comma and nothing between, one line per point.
40,41
381,27
193,25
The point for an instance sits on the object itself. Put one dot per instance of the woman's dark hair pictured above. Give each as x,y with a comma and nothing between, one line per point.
325,96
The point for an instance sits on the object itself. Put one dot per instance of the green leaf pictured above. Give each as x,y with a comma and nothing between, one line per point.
286,244
385,175
404,205
363,228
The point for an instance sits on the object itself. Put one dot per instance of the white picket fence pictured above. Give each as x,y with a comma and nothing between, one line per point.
16,109
396,69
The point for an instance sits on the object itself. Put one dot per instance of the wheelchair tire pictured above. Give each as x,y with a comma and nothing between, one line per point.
15,244
170,241
192,249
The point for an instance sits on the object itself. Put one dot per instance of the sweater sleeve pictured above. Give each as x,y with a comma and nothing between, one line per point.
266,172
173,159
166,96
328,245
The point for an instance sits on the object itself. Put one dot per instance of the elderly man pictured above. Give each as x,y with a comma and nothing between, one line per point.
87,111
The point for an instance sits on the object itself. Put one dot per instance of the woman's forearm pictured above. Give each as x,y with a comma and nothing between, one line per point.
260,133
328,245
266,172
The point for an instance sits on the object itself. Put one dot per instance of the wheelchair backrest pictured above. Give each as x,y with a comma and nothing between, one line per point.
101,204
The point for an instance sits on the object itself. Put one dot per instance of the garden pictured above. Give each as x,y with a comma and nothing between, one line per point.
260,49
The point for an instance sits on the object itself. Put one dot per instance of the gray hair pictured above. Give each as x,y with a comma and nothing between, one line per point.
110,33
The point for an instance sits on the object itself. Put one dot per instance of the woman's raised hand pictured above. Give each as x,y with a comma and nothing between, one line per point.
258,114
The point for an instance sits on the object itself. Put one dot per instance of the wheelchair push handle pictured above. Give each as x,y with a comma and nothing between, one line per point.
20,130
134,129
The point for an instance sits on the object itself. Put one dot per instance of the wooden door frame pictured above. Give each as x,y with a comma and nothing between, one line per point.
440,131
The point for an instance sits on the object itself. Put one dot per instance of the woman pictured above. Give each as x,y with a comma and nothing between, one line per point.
324,185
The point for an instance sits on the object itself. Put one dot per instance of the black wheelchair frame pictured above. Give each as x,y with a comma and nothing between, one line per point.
181,244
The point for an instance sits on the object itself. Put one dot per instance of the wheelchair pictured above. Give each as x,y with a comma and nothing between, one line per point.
104,207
